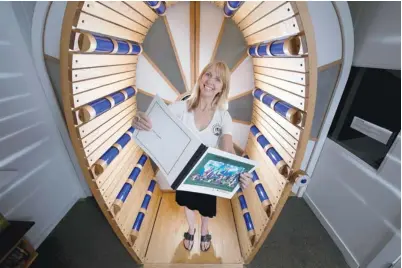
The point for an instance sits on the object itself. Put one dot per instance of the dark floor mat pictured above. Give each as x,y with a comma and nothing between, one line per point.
84,239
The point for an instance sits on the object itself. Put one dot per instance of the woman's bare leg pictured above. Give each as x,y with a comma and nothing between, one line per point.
190,215
204,231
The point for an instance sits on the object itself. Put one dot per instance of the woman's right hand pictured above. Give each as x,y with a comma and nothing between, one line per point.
142,122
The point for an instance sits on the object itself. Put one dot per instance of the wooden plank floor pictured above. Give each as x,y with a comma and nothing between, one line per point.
166,246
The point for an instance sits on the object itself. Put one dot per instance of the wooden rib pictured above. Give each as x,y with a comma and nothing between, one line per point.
87,128
329,65
242,234
295,77
312,63
244,10
288,97
299,64
192,43
218,41
197,38
272,125
259,12
128,12
245,55
113,190
241,122
142,242
104,180
98,10
96,60
262,124
96,137
113,135
151,95
156,68
275,180
91,95
281,30
245,93
288,86
84,74
278,142
85,85
65,62
90,23
283,12
289,127
172,42
143,9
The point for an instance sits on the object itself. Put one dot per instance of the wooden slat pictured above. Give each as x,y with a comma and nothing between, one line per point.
134,198
114,166
97,137
260,123
121,177
87,128
83,74
112,138
244,240
299,78
299,64
101,11
288,86
262,10
287,157
143,9
127,11
280,30
96,60
141,244
244,10
281,13
288,97
90,23
91,95
82,86
272,125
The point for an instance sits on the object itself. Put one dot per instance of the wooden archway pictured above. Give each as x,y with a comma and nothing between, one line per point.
122,181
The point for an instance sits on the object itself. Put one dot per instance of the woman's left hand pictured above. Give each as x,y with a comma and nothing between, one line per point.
245,179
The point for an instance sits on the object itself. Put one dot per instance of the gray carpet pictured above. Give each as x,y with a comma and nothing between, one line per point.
84,239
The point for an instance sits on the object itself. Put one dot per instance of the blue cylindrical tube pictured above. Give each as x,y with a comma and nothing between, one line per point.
249,222
138,221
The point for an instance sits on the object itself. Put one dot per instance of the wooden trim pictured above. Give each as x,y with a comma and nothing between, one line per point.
151,95
245,93
161,73
218,41
329,65
243,58
67,25
312,87
175,52
197,38
51,58
192,43
241,122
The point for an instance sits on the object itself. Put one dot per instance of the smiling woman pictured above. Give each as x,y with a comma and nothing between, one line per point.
153,47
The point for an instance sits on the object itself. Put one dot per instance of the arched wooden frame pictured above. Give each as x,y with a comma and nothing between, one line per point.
248,252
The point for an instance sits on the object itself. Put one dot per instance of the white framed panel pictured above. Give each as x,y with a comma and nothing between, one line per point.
240,134
242,79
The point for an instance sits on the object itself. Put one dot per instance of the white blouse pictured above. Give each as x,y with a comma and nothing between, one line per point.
220,124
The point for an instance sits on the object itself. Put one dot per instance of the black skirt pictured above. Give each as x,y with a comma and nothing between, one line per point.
204,203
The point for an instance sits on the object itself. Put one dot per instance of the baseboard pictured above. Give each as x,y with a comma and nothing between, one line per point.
37,241
350,259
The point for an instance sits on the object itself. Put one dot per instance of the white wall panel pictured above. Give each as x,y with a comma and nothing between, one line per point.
242,79
53,28
240,134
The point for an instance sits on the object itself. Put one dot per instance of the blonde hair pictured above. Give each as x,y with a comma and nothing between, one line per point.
221,99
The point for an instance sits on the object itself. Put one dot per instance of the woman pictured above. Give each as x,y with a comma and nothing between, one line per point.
206,115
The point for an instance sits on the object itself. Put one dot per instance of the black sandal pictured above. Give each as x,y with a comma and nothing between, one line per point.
189,237
206,238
